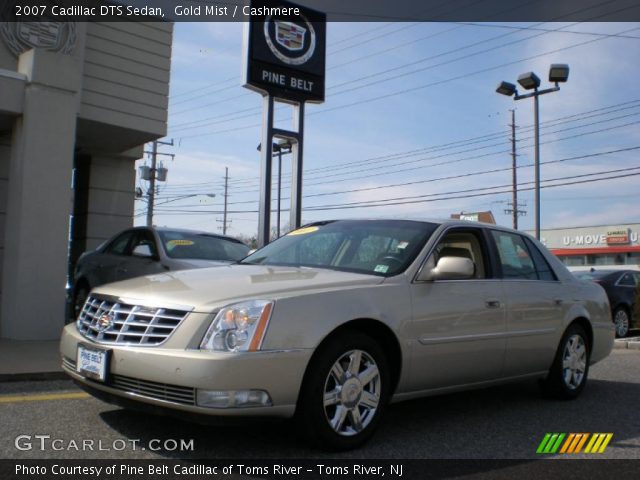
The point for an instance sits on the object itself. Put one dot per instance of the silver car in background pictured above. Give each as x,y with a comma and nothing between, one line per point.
336,319
148,250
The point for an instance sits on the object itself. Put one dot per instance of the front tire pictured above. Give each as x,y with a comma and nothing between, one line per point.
568,374
621,322
345,392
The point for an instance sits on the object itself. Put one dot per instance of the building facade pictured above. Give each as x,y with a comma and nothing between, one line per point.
599,246
77,103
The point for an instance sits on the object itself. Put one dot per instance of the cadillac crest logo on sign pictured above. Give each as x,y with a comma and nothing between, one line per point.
290,42
285,52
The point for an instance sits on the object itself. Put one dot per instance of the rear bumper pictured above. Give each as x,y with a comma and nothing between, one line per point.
169,378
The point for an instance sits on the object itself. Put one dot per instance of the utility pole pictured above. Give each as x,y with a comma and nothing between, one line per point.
224,220
514,210
151,194
152,174
226,194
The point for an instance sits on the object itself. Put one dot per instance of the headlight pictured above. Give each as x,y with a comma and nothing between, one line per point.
239,327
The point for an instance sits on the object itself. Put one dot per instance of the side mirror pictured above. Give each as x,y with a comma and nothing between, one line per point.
449,268
143,251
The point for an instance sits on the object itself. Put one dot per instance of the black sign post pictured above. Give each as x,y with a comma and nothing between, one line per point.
285,61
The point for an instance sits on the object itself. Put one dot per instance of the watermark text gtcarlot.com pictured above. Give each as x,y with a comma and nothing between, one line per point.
47,443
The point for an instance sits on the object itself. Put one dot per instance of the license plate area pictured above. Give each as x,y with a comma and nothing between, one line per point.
93,362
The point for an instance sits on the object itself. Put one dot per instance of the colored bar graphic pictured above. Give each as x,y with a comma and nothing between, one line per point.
607,439
553,443
582,442
567,443
592,441
543,443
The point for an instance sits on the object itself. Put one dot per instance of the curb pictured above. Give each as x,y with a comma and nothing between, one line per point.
628,343
33,377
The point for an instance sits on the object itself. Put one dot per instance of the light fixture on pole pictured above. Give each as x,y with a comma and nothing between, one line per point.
558,73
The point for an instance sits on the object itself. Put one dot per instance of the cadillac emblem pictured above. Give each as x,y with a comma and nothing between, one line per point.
20,36
291,42
105,321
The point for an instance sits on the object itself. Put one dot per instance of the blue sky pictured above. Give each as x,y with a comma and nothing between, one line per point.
408,106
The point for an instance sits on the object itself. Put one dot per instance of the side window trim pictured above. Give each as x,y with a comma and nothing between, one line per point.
530,247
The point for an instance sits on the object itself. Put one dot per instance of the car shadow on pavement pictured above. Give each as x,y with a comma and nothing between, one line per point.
506,422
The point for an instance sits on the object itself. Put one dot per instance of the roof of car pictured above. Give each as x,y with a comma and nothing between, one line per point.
193,232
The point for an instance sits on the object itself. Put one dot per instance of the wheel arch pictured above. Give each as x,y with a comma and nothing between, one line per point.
375,329
588,328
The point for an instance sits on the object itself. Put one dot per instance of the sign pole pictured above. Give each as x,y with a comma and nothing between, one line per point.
295,213
266,153
284,61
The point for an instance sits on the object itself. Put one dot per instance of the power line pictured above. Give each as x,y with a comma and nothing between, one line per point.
413,89
468,193
448,162
465,47
606,110
458,176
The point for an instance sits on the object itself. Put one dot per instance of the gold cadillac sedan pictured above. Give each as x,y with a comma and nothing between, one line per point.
336,319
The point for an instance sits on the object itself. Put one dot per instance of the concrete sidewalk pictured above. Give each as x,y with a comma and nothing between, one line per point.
29,360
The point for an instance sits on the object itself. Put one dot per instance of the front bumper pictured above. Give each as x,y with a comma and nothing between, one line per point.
169,377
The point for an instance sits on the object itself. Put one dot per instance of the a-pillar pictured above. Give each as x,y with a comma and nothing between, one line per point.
39,198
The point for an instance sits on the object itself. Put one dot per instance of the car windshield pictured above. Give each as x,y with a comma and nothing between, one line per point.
376,247
202,246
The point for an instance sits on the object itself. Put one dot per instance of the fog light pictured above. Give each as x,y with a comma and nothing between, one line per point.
232,398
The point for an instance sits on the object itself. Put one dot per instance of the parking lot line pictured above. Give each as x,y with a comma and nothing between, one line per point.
43,397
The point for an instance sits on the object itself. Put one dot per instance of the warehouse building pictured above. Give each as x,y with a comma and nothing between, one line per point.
600,246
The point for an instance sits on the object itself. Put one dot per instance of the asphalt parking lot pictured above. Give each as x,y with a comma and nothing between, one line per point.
506,422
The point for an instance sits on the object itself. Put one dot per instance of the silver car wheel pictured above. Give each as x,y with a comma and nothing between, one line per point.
574,361
352,393
621,321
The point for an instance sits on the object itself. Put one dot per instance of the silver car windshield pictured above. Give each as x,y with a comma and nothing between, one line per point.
202,246
376,247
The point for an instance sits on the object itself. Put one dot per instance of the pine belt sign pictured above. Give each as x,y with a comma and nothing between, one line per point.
285,51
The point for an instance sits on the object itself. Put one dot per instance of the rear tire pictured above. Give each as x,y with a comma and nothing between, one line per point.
344,393
621,322
568,374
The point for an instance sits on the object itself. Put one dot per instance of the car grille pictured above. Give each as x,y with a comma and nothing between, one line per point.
144,388
110,322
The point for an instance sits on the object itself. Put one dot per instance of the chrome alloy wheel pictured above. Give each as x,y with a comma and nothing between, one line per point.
574,361
352,393
621,321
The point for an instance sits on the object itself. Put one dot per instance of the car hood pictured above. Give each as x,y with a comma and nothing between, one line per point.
207,288
186,263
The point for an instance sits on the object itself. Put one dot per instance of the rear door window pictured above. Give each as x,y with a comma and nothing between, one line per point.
514,256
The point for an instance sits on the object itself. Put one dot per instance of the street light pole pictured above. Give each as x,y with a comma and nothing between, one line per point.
557,73
536,162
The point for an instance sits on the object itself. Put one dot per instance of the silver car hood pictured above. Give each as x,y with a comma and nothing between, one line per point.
186,263
207,288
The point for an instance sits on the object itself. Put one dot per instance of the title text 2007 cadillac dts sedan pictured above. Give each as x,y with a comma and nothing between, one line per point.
332,321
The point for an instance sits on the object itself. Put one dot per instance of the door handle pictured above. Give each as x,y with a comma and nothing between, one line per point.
558,301
492,304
